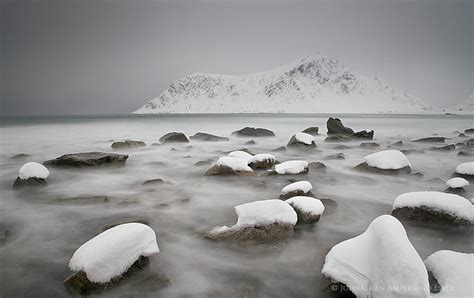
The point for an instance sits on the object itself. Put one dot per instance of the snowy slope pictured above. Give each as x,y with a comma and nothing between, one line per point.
312,84
465,107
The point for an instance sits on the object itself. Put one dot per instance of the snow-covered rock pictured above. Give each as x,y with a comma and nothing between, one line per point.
258,220
292,167
308,209
457,182
381,262
465,170
310,84
300,188
240,154
434,206
453,271
31,174
386,162
262,161
228,165
111,253
302,139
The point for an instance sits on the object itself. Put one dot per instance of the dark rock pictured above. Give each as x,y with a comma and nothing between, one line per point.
465,153
20,156
314,130
469,131
435,287
335,126
157,181
223,170
296,193
174,137
279,149
253,132
426,214
363,134
317,166
330,288
78,284
88,159
364,167
341,147
465,176
330,206
127,144
270,173
337,138
397,144
431,140
469,142
369,145
263,164
444,148
461,135
337,156
203,163
257,234
201,136
457,191
251,142
113,225
303,216
410,151
84,200
31,182
298,144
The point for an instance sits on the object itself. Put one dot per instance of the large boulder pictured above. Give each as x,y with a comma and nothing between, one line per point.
379,263
231,166
202,136
314,130
253,132
335,126
308,209
125,144
433,206
388,162
88,159
174,137
31,174
302,140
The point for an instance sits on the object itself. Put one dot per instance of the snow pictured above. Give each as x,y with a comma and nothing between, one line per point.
387,160
457,182
33,170
111,253
261,213
311,84
381,262
304,186
261,157
291,167
236,163
307,204
440,201
466,168
240,154
304,138
454,272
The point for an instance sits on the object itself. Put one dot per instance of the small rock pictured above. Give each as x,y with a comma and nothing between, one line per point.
337,138
157,181
465,153
174,137
203,163
84,200
127,144
369,145
431,140
279,149
444,148
201,136
363,134
314,130
337,156
251,142
435,180
397,144
335,126
461,135
88,159
410,151
20,156
317,166
153,282
253,132
341,147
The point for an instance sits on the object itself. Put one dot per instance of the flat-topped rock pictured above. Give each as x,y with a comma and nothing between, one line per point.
231,166
335,126
174,137
127,144
431,140
314,130
385,162
337,138
88,159
202,136
253,132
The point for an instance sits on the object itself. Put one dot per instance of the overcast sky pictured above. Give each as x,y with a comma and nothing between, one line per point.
110,57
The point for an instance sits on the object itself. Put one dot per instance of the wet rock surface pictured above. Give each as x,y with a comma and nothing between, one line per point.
174,137
253,132
317,167
32,182
258,234
426,214
20,156
335,126
88,159
450,147
363,134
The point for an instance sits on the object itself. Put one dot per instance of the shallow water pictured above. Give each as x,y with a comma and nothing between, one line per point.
44,233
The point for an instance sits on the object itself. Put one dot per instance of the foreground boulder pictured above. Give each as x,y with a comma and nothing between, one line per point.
253,132
261,161
174,137
88,159
456,185
258,221
465,170
381,262
363,134
431,140
451,272
314,130
31,174
201,136
127,144
434,206
302,140
308,209
231,166
388,162
300,188
335,126
109,258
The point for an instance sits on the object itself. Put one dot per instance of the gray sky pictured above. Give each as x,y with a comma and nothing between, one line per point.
109,57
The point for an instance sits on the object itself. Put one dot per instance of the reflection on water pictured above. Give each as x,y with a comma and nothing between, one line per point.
45,231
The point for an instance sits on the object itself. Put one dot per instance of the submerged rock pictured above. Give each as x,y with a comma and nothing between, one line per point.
444,148
337,156
335,126
317,167
157,181
137,220
174,137
30,175
127,144
201,136
251,142
337,138
302,140
88,159
20,156
83,200
431,140
314,130
389,162
203,163
279,149
397,144
253,132
369,145
363,134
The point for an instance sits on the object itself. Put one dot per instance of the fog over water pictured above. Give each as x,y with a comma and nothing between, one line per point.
45,232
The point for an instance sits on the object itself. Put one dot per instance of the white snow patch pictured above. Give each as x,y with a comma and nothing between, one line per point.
466,168
307,204
261,213
33,170
454,272
457,182
381,262
112,252
240,154
387,160
440,201
235,163
304,138
304,186
261,157
291,167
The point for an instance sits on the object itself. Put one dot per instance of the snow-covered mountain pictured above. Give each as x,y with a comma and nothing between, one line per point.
312,84
465,107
